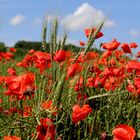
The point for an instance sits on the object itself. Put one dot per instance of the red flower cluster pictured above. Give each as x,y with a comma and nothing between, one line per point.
40,59
20,86
6,55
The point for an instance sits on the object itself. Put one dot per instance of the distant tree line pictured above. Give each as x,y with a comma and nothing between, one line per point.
2,47
23,47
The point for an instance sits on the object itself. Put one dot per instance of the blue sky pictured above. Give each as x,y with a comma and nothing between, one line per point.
22,19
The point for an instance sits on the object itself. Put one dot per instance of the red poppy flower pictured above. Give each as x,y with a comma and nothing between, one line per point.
11,71
96,81
80,113
112,83
7,55
42,60
111,45
125,47
124,132
12,50
137,82
74,69
133,65
81,96
95,70
60,56
31,51
106,54
93,30
138,54
82,43
131,88
90,56
79,84
118,53
134,89
46,130
2,79
133,45
48,105
11,138
113,71
21,86
0,100
27,111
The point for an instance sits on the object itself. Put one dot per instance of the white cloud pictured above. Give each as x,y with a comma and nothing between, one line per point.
85,16
71,41
134,33
109,23
18,19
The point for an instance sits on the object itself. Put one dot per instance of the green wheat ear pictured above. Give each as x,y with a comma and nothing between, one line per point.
92,38
44,34
53,37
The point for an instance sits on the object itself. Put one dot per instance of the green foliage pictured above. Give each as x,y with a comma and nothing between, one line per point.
2,47
28,45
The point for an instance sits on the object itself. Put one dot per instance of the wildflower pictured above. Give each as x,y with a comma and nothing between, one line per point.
31,51
96,81
111,45
79,83
80,113
46,130
133,65
134,88
48,105
133,45
74,69
93,30
11,71
0,100
91,56
106,54
12,50
82,43
95,70
60,56
7,55
81,96
138,54
42,60
11,138
125,47
113,71
124,132
21,86
2,79
113,82
27,111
